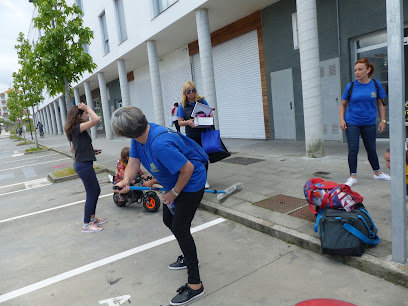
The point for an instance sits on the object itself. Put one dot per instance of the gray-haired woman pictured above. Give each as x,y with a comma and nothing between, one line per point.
178,167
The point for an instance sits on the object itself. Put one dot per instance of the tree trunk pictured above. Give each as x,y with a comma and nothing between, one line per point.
67,96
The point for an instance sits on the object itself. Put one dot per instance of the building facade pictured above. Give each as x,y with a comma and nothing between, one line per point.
244,57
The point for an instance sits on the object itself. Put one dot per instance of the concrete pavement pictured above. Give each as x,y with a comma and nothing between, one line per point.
283,169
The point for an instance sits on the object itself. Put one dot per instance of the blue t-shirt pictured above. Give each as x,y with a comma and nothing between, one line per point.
362,108
180,111
166,155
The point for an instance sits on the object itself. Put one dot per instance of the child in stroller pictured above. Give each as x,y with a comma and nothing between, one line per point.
150,200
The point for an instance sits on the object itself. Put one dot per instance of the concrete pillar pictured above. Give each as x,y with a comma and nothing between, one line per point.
44,121
63,112
105,105
77,96
53,121
310,71
396,89
89,102
49,120
57,117
156,83
124,87
206,59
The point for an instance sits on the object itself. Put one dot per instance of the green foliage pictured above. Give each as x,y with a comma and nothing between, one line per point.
36,149
62,58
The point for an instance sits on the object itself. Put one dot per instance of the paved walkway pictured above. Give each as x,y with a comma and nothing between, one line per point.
283,169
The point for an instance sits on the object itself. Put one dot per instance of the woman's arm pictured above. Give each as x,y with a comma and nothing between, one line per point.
189,122
94,117
71,146
185,174
381,112
342,111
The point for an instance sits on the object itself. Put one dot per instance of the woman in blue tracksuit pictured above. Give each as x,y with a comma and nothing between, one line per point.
177,163
360,118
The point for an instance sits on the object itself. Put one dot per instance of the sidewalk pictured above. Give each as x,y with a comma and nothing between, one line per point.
281,168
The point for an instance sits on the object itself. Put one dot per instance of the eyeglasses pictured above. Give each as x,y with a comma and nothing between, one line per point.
189,91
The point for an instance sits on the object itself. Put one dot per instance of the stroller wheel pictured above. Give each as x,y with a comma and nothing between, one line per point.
152,203
120,200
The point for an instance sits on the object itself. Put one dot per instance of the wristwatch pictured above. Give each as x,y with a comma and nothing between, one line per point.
384,121
175,193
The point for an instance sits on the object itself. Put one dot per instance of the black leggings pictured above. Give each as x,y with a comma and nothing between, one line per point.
87,174
179,224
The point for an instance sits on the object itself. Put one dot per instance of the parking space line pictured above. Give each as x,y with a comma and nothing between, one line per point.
49,161
28,158
49,209
99,263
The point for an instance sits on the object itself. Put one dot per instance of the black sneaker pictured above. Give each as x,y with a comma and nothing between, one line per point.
179,264
186,294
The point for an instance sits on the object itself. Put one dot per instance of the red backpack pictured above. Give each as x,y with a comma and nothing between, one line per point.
321,193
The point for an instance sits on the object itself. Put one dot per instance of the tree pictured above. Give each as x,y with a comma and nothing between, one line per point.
61,48
14,106
27,83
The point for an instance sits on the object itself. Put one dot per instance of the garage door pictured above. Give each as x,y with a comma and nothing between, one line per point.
238,87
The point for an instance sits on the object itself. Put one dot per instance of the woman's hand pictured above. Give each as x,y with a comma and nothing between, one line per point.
190,123
381,126
343,124
149,183
82,106
123,187
168,197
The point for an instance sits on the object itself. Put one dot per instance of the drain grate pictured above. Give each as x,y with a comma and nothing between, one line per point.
291,206
242,160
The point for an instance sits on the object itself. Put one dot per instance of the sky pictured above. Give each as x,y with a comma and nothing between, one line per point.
15,17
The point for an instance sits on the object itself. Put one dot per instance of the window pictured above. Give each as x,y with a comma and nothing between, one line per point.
86,48
104,32
295,31
79,3
161,5
120,18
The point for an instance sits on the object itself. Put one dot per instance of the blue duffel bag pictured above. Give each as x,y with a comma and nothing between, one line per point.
345,233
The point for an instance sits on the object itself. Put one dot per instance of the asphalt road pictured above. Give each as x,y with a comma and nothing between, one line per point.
46,260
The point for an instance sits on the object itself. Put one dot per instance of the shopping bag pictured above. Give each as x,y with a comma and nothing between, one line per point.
211,141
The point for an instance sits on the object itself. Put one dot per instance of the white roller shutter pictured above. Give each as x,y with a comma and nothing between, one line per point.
238,87
144,99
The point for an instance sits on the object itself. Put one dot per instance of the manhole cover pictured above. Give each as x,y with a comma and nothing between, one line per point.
281,203
303,213
291,206
242,160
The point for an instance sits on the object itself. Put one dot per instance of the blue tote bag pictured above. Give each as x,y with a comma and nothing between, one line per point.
211,141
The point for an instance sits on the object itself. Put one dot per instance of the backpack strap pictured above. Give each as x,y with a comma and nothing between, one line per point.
377,88
360,235
350,91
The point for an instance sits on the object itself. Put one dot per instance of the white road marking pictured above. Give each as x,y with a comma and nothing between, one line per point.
28,158
120,299
49,161
49,209
99,263
37,183
17,155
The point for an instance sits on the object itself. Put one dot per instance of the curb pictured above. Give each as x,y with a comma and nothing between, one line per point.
390,271
38,151
55,179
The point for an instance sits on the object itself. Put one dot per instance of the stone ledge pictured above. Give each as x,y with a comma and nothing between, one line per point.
55,179
390,271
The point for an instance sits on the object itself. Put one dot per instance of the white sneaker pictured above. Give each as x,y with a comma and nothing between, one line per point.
351,181
207,185
382,177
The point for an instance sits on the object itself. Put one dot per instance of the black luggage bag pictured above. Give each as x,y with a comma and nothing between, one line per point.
346,233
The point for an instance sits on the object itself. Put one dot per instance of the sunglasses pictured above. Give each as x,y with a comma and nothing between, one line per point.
189,91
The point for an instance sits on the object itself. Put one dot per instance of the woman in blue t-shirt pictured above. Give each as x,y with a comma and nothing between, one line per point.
360,118
177,163
189,99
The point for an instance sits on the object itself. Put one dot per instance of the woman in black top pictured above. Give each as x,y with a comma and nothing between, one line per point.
188,100
81,118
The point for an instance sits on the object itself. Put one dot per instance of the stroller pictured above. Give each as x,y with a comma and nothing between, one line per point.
149,199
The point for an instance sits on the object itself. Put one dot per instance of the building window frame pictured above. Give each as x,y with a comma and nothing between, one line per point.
120,20
295,31
104,32
159,6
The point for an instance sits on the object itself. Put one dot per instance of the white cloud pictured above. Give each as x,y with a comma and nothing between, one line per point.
15,17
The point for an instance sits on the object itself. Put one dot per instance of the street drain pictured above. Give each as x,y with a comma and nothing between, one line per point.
321,174
242,160
291,206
